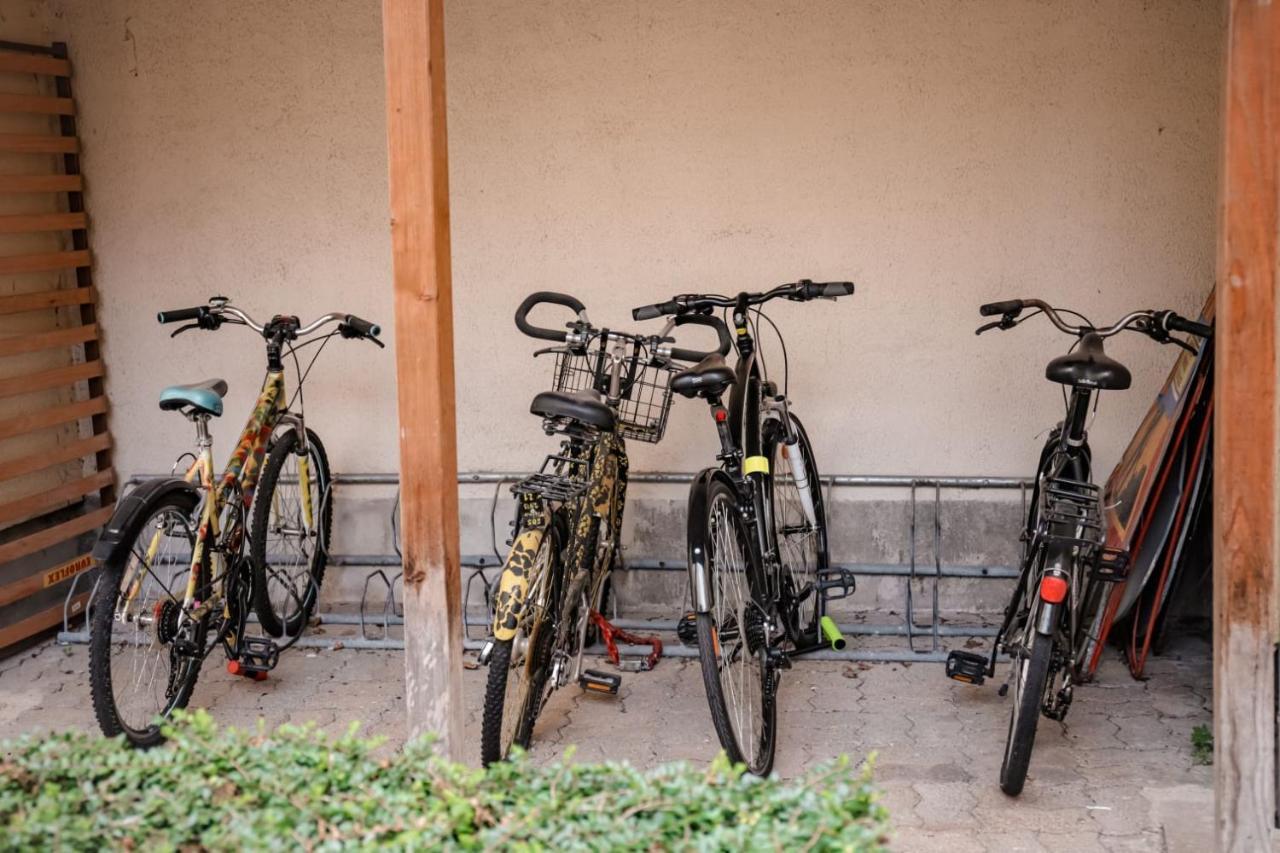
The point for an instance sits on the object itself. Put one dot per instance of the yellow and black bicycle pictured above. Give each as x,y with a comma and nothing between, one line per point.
608,386
184,564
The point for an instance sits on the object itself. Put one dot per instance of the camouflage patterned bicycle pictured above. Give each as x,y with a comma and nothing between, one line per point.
608,386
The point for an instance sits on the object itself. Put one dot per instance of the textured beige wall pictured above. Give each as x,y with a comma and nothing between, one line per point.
940,154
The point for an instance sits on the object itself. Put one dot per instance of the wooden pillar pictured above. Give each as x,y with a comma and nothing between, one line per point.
1245,471
413,45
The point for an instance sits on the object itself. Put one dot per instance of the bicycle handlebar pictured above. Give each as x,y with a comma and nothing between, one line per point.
539,298
722,332
1155,324
800,291
220,310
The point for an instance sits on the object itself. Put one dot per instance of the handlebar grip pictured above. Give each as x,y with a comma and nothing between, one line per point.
363,328
651,312
544,296
722,332
1176,323
1010,306
826,289
182,314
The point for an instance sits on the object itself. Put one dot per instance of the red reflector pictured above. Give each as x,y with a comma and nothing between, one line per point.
1053,589
721,416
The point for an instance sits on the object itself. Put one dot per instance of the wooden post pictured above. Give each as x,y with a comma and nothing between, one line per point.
413,44
1245,471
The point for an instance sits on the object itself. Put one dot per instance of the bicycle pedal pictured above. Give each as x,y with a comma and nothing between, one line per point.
600,682
687,629
967,667
835,583
258,656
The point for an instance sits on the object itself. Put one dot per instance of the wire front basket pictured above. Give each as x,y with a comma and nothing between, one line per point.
645,389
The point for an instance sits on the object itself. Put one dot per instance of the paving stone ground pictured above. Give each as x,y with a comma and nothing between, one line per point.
1119,775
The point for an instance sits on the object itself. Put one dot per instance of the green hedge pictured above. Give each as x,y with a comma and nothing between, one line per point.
222,789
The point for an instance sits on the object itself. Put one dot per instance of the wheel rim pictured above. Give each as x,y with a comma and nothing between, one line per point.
146,671
737,623
291,542
521,676
798,542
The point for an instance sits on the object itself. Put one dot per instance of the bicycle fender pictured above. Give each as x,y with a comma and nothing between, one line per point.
513,586
699,577
131,512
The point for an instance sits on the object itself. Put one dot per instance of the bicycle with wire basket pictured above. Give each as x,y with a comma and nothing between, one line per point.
1065,568
759,569
184,564
607,386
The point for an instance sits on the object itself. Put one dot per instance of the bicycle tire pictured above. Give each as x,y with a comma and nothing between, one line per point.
1029,678
496,700
275,617
810,611
755,679
102,682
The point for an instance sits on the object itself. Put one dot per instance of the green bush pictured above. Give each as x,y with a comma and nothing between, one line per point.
294,788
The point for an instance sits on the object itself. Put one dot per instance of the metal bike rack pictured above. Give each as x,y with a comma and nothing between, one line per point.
376,621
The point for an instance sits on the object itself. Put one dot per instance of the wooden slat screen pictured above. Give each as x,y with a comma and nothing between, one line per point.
57,485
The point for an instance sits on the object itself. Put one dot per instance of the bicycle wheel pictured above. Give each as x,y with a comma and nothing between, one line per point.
732,646
144,653
290,540
518,683
802,542
1029,677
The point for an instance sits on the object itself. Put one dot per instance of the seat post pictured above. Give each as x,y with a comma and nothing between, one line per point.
201,420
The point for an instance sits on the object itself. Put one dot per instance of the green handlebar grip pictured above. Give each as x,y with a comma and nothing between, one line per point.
832,633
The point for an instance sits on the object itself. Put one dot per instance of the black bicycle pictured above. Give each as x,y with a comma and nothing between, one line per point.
758,564
1065,570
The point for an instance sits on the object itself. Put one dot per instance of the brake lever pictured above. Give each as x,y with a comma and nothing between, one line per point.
374,340
1005,322
185,328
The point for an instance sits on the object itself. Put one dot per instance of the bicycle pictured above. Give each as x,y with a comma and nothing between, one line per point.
1065,568
608,386
183,564
759,567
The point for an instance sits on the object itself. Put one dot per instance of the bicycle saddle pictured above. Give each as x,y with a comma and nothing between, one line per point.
708,377
205,397
582,406
1089,366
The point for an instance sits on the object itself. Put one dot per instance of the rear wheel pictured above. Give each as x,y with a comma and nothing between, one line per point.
1029,678
145,651
290,541
518,681
732,642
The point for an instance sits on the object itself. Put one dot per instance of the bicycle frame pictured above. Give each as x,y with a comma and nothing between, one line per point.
241,473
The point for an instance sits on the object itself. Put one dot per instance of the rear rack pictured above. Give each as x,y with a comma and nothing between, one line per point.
551,483
1070,513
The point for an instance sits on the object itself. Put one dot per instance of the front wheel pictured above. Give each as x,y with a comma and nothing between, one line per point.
800,522
1029,677
145,649
732,638
290,539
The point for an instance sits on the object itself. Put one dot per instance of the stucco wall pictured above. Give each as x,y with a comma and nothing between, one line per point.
938,154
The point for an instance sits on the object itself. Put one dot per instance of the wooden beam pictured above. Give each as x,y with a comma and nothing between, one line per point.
33,505
40,300
413,50
94,444
40,183
33,63
1245,446
15,344
58,377
53,535
45,418
28,222
44,262
42,621
37,143
36,104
